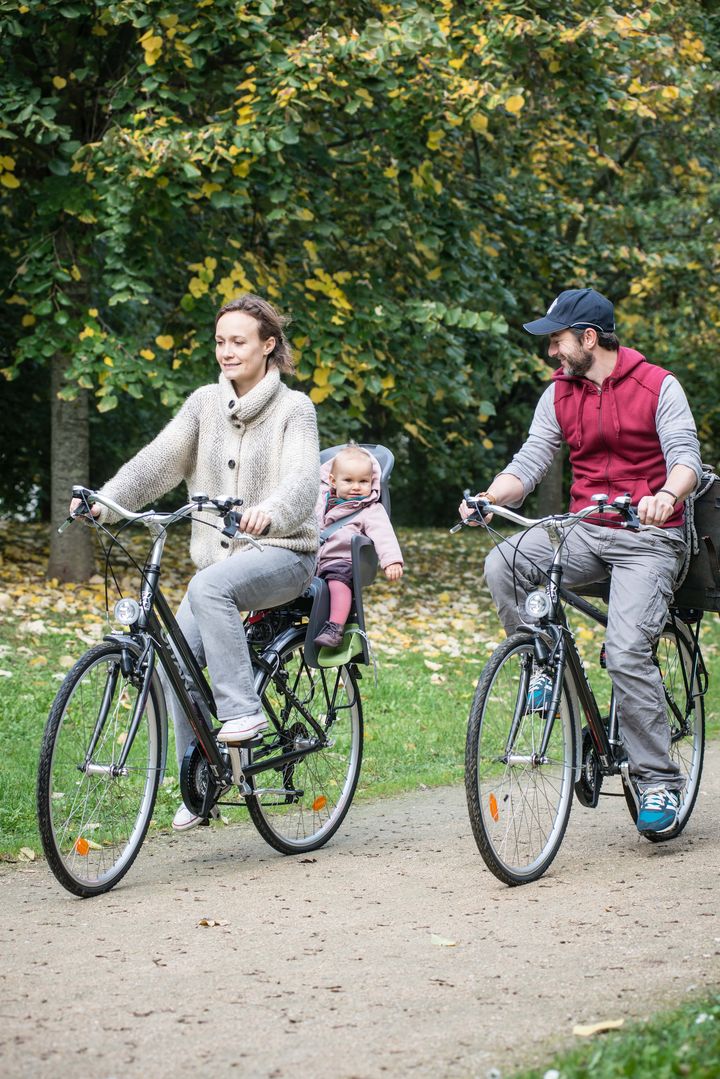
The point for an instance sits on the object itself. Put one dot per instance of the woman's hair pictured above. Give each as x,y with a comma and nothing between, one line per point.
270,324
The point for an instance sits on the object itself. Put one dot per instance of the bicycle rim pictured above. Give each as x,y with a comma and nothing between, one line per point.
92,823
300,806
519,805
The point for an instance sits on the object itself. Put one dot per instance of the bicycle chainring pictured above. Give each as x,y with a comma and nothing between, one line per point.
587,787
194,778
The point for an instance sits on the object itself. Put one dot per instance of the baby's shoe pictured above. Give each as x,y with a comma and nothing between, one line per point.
330,636
243,729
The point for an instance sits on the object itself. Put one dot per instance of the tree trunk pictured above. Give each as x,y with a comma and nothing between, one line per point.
71,555
550,489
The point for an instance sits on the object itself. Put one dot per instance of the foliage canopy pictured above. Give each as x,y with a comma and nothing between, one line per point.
409,180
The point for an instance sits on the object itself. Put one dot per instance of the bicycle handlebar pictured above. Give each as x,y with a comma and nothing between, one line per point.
223,505
620,507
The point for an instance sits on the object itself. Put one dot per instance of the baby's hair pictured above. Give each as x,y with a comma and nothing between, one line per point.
351,450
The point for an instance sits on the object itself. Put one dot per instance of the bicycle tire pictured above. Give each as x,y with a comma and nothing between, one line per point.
323,781
687,747
92,825
519,809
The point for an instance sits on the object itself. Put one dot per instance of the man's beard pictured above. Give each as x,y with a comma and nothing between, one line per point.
579,364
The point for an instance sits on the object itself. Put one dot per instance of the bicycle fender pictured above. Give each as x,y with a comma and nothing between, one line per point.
269,657
126,641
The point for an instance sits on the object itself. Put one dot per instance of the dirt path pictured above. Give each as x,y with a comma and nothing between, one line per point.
328,965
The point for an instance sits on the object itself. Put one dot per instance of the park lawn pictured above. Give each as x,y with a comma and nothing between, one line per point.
683,1042
431,635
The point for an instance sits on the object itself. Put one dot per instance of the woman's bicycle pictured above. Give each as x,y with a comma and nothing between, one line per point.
104,749
524,762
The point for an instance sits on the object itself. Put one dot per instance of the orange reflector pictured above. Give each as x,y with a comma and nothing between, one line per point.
81,846
492,802
320,802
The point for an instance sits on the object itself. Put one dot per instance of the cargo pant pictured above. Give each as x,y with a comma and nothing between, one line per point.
644,569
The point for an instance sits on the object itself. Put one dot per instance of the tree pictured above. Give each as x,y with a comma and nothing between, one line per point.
409,180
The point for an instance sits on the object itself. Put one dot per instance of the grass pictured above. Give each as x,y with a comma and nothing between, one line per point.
685,1042
431,636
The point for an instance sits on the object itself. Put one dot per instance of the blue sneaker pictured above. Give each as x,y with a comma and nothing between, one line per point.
659,809
539,692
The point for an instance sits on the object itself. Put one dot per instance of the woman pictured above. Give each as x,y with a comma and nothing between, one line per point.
251,437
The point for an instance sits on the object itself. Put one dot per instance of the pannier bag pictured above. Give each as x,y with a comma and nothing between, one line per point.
701,586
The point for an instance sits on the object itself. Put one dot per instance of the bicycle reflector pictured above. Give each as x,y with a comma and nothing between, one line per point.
127,611
537,604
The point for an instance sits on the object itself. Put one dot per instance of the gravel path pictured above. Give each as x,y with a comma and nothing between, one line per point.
390,952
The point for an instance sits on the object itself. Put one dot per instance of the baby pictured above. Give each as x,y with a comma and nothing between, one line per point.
351,483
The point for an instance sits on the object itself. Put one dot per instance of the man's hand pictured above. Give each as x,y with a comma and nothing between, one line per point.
394,571
465,511
656,509
254,521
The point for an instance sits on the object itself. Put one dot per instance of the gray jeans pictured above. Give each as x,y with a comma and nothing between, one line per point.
209,617
644,570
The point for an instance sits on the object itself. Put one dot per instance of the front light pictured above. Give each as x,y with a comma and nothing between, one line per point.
127,612
537,604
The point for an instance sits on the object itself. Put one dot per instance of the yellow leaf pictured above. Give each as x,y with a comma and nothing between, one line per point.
305,215
7,163
108,361
93,312
515,103
8,180
488,443
479,122
587,1031
59,82
165,341
319,393
147,354
321,376
670,92
434,138
75,274
28,320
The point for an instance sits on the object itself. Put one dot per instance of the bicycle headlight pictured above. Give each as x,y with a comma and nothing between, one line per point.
127,612
537,604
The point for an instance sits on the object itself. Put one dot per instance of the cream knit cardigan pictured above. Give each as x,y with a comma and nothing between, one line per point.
262,447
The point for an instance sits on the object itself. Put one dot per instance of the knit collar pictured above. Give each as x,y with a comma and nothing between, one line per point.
254,402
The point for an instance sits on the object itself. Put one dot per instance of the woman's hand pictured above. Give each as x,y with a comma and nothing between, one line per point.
77,502
394,571
255,522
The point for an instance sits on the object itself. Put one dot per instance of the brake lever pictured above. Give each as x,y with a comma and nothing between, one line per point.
476,517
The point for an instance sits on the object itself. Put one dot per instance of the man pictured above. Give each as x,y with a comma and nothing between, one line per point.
629,429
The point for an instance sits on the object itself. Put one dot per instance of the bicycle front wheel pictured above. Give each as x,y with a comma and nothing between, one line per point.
93,816
297,806
519,801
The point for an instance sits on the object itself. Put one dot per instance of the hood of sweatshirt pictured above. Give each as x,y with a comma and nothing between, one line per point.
627,361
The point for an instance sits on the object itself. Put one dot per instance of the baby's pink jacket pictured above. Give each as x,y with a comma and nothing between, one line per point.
372,521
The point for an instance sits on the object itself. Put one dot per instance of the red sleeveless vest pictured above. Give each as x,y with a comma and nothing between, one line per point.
611,432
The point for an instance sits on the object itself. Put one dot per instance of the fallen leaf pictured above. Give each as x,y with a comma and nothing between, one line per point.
27,854
211,922
442,942
587,1031
432,666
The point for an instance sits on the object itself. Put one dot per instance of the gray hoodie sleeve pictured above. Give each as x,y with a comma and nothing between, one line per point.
676,428
535,456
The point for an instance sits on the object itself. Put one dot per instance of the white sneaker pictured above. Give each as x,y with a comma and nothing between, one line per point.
185,819
242,729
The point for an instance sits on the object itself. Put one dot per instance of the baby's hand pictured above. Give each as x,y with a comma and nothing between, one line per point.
394,572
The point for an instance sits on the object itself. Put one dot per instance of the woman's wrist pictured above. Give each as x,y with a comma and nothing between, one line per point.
667,491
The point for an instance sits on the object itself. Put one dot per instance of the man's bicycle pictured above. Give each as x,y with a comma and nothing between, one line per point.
523,763
104,749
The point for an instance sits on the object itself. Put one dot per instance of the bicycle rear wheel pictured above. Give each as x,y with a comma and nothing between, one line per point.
297,807
93,819
519,803
686,718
